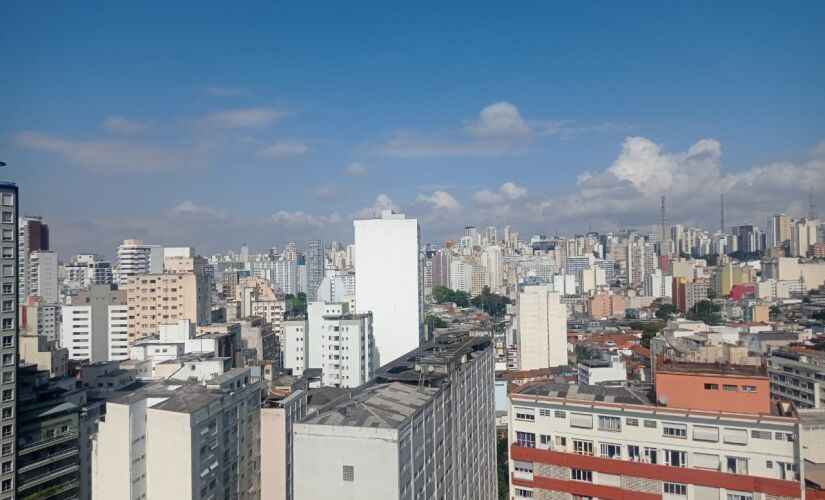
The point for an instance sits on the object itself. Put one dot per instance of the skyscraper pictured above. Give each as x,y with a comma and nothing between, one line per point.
32,235
542,328
315,261
134,258
8,347
389,282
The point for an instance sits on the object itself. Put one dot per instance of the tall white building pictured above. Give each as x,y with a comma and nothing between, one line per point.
181,439
421,429
331,338
542,328
659,285
88,269
389,282
461,276
95,325
492,262
134,258
9,246
43,282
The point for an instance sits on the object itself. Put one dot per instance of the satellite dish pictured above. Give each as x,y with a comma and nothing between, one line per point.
663,400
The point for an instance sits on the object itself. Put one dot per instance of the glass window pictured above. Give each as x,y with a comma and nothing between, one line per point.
610,423
633,453
610,450
526,439
651,455
581,447
675,489
581,475
675,458
674,430
632,422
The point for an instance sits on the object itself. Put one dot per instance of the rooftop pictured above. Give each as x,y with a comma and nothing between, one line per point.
574,392
385,406
175,395
713,368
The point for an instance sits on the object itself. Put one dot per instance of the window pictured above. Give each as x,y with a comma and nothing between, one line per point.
581,475
651,455
784,436
703,433
761,434
610,423
747,388
8,200
650,424
706,461
526,439
8,395
729,388
610,450
581,420
675,458
545,440
544,412
560,414
525,414
736,465
522,493
6,485
675,489
674,430
7,449
633,453
581,447
740,496
769,464
349,473
561,441
736,436
711,387
526,467
8,288
631,422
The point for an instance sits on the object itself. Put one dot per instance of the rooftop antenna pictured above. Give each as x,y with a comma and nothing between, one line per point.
811,206
722,212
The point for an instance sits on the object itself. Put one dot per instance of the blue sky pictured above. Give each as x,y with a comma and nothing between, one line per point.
213,124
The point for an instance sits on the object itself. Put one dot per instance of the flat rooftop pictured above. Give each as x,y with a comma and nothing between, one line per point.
385,406
575,392
713,369
176,395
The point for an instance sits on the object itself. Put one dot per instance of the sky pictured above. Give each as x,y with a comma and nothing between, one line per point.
212,124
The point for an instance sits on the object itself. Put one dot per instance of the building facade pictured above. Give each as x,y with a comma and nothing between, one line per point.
542,328
95,325
9,268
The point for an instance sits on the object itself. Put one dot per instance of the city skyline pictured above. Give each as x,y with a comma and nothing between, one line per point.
272,134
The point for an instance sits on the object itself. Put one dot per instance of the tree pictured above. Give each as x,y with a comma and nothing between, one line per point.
442,294
491,303
819,315
299,302
434,322
775,312
706,311
665,311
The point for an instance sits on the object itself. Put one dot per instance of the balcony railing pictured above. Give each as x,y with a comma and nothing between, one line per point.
37,481
45,443
49,459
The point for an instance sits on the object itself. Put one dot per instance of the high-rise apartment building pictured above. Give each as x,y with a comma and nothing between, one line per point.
43,282
95,325
32,235
389,281
136,258
9,268
542,328
257,298
333,339
619,442
423,428
181,439
779,230
156,299
315,265
441,267
491,235
88,269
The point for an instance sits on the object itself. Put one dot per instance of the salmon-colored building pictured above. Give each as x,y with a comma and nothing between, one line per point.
713,387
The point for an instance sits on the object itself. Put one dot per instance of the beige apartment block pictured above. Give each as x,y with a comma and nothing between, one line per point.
157,299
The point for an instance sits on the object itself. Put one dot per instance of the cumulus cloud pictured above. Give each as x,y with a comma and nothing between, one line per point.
120,124
188,208
243,118
382,202
357,169
500,129
441,200
106,156
299,218
284,148
505,193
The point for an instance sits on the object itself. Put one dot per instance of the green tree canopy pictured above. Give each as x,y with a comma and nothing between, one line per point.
665,311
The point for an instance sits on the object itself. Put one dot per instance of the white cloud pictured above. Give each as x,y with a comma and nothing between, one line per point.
284,148
326,191
120,124
356,169
299,218
382,202
190,208
106,156
500,129
441,200
506,193
243,118
500,120
223,91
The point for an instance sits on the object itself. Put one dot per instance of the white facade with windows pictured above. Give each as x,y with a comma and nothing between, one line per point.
542,328
9,336
618,424
43,282
134,258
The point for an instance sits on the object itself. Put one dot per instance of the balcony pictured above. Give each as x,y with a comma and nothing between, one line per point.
43,478
45,443
49,459
52,491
